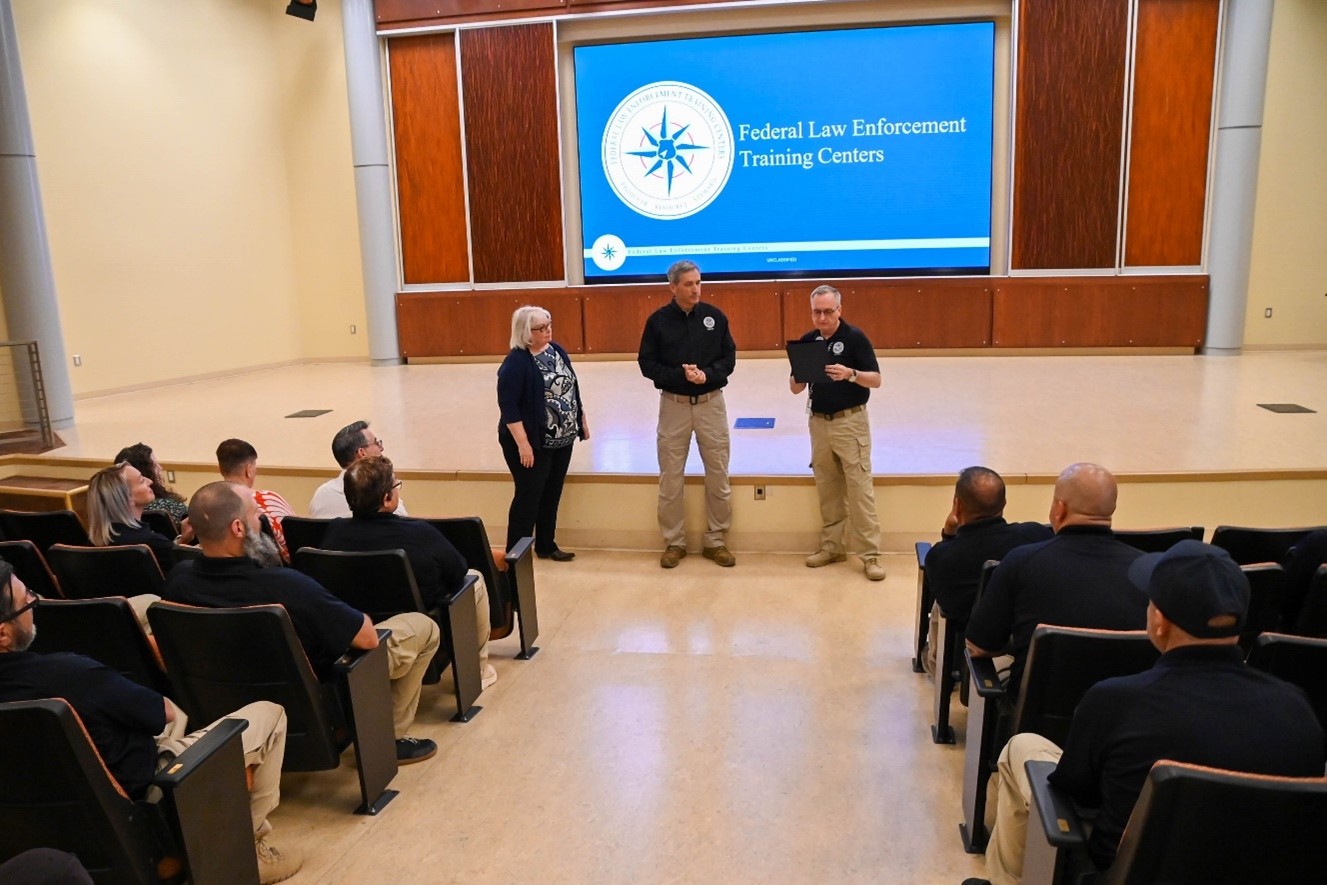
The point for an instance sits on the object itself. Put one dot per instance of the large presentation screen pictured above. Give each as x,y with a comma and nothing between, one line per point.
815,153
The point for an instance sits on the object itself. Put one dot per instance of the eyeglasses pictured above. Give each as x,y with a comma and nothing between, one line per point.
32,598
827,312
544,328
396,485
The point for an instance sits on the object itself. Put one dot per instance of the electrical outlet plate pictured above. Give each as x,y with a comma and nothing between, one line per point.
170,476
760,493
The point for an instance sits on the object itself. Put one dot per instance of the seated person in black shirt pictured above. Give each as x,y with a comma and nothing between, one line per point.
117,496
228,575
136,730
1300,563
974,532
1199,704
1079,578
373,493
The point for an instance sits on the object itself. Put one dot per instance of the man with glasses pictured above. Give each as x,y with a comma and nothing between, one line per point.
373,491
841,437
352,442
688,352
137,731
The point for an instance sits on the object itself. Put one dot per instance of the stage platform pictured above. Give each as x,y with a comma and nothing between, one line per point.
1185,434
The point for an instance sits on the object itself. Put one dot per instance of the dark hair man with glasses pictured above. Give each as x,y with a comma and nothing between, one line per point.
136,730
352,442
373,492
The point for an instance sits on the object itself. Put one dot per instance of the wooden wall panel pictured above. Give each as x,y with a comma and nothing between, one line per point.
430,180
615,315
420,13
1044,312
901,315
1068,130
508,78
431,324
1174,71
1100,312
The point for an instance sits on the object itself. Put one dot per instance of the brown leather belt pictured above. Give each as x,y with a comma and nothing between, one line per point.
845,413
691,400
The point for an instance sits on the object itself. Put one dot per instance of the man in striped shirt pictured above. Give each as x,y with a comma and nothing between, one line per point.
238,462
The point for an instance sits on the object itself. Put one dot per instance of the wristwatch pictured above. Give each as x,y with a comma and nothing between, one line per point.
853,376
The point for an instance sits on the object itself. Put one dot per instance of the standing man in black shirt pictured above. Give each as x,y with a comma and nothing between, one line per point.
687,351
841,437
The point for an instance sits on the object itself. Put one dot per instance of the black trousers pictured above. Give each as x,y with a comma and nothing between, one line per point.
534,507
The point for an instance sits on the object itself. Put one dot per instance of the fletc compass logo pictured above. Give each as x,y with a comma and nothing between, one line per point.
668,150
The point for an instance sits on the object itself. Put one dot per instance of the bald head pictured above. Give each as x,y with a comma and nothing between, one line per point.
213,511
979,494
1085,494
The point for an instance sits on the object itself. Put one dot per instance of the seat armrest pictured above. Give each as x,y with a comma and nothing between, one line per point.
198,754
1059,818
985,678
922,548
355,656
519,551
449,599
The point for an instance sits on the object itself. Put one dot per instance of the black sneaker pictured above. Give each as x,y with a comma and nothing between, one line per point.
410,750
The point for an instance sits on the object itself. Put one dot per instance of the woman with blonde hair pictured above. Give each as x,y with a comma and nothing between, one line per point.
542,417
117,496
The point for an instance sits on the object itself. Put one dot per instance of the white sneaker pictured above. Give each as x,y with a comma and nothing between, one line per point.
487,676
275,865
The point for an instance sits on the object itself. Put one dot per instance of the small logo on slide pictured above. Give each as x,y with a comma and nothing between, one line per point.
608,252
668,150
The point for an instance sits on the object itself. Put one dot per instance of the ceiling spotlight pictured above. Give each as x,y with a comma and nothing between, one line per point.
305,9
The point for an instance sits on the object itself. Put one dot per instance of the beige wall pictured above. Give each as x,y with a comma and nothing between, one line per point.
1289,269
195,167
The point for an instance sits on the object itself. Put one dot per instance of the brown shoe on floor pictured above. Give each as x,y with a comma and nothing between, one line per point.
824,557
275,865
720,555
672,556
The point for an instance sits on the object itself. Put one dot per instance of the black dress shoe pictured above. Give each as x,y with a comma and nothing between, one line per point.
558,555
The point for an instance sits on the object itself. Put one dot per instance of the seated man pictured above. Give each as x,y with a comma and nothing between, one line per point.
373,493
974,532
352,442
238,462
1198,704
1079,578
136,730
1300,563
225,518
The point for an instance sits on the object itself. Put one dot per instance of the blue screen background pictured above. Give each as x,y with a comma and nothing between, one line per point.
928,186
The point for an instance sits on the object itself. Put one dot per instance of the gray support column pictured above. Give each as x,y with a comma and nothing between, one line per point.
373,180
26,277
1246,42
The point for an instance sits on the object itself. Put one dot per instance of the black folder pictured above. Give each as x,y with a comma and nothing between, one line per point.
809,359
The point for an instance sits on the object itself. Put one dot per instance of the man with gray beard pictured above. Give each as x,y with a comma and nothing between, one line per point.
230,575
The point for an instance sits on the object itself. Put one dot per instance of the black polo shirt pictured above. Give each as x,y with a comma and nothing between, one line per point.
673,337
850,347
163,548
439,568
1197,704
325,625
122,717
1079,578
1300,563
953,566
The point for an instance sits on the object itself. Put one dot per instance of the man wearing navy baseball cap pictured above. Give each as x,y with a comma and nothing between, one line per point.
1199,704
